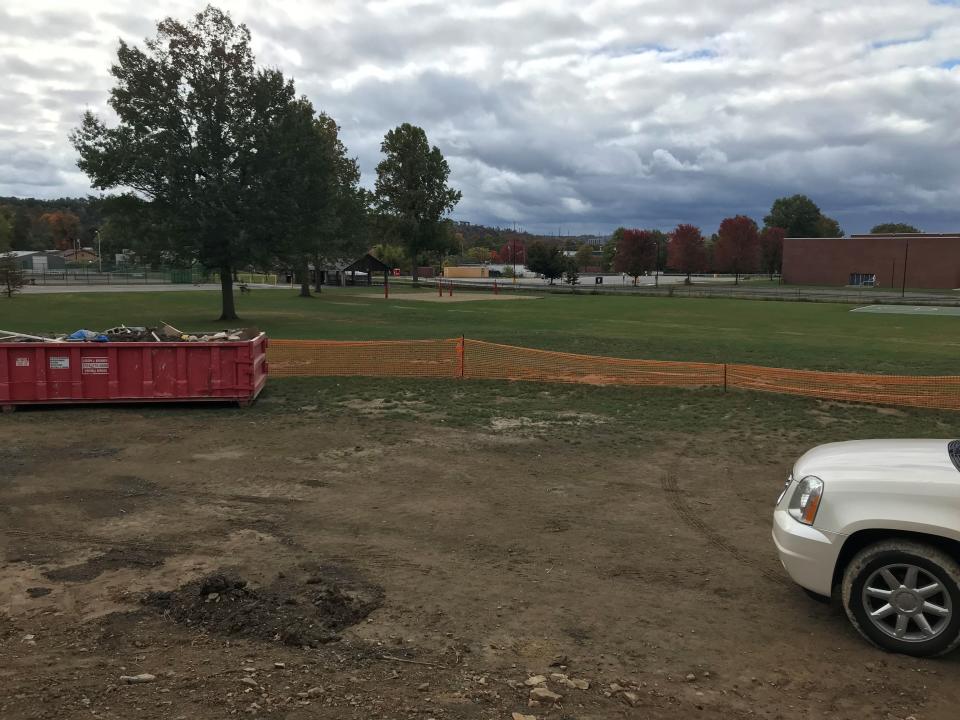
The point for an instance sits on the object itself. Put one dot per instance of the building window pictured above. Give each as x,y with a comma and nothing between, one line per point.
867,279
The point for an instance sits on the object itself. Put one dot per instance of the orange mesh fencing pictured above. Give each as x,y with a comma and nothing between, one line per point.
477,359
505,362
930,391
376,358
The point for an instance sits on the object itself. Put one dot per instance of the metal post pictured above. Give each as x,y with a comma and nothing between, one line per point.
656,265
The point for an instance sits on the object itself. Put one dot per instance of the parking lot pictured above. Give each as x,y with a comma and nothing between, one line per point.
469,556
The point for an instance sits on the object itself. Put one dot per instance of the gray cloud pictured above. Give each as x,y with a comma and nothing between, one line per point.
583,115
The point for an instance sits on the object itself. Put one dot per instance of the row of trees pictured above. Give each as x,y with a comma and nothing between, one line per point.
31,224
226,166
738,247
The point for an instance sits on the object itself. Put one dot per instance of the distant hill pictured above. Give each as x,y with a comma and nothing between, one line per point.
32,224
496,237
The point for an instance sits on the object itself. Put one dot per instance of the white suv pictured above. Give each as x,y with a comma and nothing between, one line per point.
877,524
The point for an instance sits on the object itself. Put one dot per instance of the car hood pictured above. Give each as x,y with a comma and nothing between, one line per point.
880,460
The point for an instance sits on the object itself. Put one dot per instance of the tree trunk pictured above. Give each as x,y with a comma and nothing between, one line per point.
413,272
305,279
228,308
316,270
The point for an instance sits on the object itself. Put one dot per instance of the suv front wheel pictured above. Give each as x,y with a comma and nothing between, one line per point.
904,596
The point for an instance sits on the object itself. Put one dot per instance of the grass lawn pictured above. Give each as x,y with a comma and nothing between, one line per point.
784,334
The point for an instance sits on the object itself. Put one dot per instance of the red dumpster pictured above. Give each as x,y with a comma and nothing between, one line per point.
33,373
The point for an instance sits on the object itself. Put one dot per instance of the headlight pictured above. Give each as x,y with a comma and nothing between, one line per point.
785,488
806,499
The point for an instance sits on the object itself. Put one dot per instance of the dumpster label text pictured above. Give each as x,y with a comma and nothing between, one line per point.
95,366
23,362
59,363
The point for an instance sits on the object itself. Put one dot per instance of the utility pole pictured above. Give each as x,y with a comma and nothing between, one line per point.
656,265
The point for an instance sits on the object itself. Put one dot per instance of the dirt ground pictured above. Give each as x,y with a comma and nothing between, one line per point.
290,565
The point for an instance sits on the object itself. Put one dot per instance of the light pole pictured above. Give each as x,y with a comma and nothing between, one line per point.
656,270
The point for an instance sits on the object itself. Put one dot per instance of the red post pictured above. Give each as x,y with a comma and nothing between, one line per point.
460,353
450,289
440,288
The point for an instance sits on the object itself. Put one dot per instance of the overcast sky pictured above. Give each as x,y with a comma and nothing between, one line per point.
580,116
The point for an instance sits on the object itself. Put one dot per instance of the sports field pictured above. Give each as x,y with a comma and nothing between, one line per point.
817,336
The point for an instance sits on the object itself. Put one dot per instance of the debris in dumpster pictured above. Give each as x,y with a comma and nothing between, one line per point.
87,336
10,336
134,333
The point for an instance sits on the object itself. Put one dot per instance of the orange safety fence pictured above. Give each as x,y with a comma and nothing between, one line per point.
929,391
376,358
477,359
485,360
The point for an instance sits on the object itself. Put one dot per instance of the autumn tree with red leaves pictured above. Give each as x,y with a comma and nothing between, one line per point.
687,250
636,253
514,252
737,249
64,228
771,250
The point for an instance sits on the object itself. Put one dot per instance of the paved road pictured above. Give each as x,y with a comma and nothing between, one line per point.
47,289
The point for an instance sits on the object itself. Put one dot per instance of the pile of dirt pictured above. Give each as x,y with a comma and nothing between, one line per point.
306,613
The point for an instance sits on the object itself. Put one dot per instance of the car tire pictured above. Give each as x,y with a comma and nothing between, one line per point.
913,622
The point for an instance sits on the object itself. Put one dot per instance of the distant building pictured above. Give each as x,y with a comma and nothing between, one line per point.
81,256
596,240
38,260
466,271
912,260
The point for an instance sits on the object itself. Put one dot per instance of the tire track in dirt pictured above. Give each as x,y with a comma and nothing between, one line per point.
95,540
668,483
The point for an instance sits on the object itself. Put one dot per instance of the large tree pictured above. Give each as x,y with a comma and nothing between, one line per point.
610,249
799,216
63,227
737,249
584,257
135,226
192,110
514,252
687,250
827,227
637,252
412,193
889,228
771,250
312,207
6,229
546,260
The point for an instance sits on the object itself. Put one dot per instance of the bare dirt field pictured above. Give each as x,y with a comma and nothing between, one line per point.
294,562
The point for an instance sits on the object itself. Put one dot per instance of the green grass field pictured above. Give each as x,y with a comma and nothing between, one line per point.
784,334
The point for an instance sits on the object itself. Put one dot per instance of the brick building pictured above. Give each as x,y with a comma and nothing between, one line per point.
890,261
